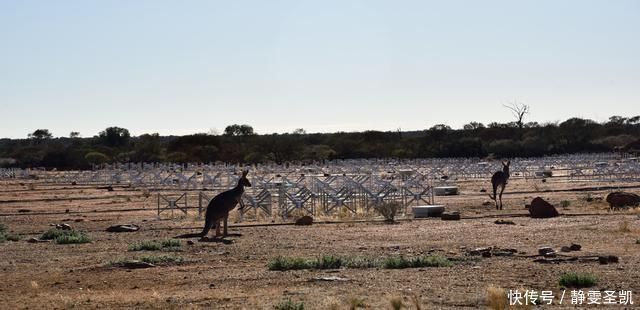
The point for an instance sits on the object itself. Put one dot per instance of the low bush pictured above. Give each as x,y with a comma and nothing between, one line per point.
65,236
578,280
168,244
288,304
416,262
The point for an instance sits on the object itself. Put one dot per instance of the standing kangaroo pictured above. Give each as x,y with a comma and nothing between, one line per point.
500,179
220,206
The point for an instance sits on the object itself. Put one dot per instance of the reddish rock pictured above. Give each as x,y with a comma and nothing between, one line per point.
542,209
618,200
305,220
450,216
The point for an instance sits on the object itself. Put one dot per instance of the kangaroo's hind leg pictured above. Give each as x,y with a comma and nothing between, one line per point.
495,196
218,227
225,225
501,191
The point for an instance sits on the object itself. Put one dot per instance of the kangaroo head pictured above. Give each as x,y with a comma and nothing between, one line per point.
505,166
243,180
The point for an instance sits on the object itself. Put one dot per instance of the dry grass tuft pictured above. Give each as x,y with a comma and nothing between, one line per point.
624,227
396,303
416,302
388,210
497,298
355,303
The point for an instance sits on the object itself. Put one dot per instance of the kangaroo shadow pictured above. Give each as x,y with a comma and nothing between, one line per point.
216,240
207,239
185,236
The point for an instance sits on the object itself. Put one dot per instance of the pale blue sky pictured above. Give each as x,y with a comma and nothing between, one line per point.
181,67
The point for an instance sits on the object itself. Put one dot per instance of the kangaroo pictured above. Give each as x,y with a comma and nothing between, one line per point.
220,206
500,179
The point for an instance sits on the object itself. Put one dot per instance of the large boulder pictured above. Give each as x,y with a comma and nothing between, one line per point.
542,209
618,200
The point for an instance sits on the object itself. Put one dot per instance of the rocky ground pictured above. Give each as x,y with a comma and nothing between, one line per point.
234,274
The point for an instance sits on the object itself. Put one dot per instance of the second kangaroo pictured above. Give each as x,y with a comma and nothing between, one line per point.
499,179
220,206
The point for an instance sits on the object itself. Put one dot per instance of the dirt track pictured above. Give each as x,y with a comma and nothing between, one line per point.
234,274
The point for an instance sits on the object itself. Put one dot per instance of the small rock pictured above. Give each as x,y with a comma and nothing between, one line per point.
483,190
23,210
504,252
504,222
123,228
608,259
450,216
305,220
135,264
330,279
190,242
480,251
487,203
575,247
545,250
565,249
64,226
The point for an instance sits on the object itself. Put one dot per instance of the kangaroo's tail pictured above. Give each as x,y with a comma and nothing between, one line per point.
495,189
208,223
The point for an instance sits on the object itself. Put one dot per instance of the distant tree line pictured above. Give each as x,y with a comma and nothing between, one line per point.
239,144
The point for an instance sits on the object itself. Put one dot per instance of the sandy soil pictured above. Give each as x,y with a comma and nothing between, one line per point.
234,274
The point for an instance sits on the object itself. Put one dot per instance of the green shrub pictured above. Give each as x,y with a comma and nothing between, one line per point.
362,262
285,263
328,262
54,233
5,236
171,243
65,236
334,262
565,203
73,239
289,305
416,262
168,244
162,259
578,280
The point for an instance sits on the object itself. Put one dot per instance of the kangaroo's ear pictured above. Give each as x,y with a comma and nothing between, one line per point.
508,163
245,172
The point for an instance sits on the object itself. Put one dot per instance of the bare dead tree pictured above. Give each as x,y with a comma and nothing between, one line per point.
518,110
